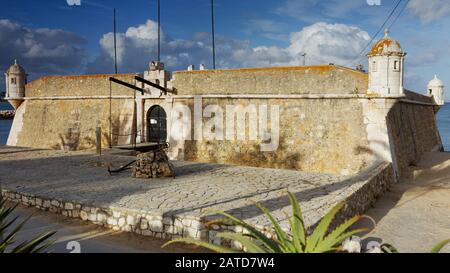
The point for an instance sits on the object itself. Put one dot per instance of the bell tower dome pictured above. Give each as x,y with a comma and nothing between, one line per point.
386,61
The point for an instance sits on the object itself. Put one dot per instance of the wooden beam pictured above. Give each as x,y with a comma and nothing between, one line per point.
127,85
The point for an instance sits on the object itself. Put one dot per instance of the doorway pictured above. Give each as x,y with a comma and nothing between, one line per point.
156,125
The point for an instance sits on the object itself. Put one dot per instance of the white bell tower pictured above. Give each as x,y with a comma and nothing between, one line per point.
386,61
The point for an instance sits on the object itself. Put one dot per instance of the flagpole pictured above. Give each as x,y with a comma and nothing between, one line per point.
159,30
213,34
115,43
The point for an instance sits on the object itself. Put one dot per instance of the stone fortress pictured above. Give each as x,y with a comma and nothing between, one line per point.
337,134
332,119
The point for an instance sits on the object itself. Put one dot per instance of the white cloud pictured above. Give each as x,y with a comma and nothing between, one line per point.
40,51
429,11
323,43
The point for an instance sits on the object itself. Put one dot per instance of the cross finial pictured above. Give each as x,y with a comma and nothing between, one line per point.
386,33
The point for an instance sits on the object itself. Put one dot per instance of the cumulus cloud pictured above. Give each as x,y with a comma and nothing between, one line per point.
40,51
323,43
429,11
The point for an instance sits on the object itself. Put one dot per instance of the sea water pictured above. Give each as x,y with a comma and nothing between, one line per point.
5,125
443,121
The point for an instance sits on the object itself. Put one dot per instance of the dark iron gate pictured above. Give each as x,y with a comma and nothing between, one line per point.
157,125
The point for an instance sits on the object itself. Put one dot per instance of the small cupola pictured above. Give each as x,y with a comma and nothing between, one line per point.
16,79
436,90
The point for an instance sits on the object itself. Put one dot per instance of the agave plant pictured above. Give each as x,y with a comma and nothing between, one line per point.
387,248
7,237
321,240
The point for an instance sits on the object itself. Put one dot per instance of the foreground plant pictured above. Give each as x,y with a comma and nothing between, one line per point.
7,238
319,241
387,248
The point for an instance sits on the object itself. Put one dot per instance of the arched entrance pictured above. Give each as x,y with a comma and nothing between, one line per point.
156,125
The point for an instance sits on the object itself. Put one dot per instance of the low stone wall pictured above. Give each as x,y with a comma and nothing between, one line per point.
379,179
7,114
367,187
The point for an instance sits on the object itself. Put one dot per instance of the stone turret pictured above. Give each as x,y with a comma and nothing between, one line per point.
436,90
386,60
16,79
157,74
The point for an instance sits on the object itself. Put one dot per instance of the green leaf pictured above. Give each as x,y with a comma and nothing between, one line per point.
440,246
271,245
297,224
37,244
282,236
387,248
213,247
322,228
250,245
338,235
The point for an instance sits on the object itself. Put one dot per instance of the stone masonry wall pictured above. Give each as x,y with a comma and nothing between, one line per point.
413,130
316,135
83,85
326,79
71,124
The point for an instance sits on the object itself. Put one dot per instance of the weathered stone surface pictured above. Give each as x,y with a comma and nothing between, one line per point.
153,164
414,133
177,207
315,135
276,80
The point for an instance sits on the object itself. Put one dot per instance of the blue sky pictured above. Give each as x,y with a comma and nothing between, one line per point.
51,37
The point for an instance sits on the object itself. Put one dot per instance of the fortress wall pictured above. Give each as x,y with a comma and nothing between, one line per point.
48,121
339,135
326,79
84,85
70,124
316,135
413,132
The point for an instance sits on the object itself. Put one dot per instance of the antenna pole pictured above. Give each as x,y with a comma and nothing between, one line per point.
159,30
115,43
213,34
